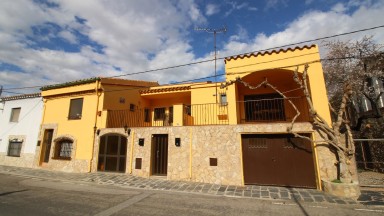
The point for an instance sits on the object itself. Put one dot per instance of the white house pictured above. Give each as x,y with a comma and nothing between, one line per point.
20,118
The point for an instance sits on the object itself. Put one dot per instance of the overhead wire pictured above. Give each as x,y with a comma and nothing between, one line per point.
242,54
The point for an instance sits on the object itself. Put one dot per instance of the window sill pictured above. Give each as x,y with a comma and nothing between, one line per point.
13,156
60,158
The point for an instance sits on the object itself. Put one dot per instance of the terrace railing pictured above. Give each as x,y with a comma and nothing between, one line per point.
272,110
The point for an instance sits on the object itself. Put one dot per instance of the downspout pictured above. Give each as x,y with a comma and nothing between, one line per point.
95,126
318,177
41,136
190,153
131,157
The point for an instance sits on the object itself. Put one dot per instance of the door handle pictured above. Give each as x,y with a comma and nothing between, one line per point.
273,159
157,154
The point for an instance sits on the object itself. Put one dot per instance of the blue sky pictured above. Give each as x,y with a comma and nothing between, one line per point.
51,41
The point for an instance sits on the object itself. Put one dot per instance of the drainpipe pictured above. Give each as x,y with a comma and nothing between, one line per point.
319,187
131,157
95,126
190,153
41,127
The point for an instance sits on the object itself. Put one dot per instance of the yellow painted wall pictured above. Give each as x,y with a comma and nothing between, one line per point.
288,60
56,112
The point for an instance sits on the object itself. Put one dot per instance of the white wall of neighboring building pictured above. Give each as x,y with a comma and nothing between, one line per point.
26,129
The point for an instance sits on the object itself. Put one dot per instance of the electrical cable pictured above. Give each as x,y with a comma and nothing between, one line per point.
242,54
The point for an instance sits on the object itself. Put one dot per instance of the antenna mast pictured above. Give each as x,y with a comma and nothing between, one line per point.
214,31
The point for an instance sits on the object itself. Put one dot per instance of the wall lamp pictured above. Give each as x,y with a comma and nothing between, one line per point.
127,130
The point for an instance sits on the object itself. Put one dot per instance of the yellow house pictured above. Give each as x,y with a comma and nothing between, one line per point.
72,115
226,133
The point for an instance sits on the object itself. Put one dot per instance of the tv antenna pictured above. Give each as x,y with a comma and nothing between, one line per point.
214,31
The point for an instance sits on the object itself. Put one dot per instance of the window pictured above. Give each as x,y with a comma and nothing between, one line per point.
146,115
75,108
223,99
132,107
14,148
63,149
188,109
170,114
159,114
15,113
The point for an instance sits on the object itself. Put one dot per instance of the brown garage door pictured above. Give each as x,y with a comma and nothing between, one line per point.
278,159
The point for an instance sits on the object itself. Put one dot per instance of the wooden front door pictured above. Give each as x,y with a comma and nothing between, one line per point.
277,159
46,148
159,154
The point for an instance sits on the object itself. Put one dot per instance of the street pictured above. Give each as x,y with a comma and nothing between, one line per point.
34,196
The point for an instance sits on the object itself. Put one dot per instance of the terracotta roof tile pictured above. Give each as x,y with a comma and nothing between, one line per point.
268,52
170,89
18,97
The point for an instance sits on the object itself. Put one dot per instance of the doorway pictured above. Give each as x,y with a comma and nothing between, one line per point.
159,154
46,148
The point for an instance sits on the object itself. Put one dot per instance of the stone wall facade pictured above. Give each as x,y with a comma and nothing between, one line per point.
199,144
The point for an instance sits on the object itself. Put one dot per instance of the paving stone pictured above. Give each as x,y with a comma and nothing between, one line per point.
319,198
273,189
247,194
274,195
264,193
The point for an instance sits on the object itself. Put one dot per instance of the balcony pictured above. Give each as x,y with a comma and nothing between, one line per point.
249,111
176,115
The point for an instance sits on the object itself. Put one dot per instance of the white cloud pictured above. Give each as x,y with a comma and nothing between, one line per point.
316,24
137,37
211,9
67,35
275,4
235,6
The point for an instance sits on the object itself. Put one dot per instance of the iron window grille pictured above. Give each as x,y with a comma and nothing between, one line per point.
63,149
14,148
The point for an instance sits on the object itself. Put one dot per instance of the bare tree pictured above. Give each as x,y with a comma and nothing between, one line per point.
351,62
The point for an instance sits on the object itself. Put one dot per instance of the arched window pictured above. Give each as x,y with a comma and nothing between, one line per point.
63,149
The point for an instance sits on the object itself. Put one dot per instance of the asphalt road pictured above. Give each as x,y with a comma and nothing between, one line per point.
32,196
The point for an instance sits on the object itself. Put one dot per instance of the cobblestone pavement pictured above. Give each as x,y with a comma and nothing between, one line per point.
368,197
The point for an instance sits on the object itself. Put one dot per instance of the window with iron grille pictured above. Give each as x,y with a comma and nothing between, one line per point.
159,114
63,149
15,113
75,108
14,148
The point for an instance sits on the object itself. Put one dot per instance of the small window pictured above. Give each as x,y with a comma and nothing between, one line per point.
132,107
63,149
159,114
147,115
188,110
75,108
223,99
14,149
15,113
122,100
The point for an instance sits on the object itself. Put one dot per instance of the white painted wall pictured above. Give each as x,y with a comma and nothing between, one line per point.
28,124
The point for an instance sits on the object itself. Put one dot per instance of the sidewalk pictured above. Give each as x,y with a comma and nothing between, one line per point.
368,197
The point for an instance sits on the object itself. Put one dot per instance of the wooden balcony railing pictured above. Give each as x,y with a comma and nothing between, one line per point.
272,110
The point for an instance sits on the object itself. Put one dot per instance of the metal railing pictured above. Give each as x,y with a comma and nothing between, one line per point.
206,114
273,110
